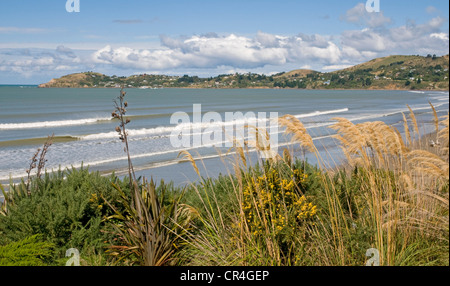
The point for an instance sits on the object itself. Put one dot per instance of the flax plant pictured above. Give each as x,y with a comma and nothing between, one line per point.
149,228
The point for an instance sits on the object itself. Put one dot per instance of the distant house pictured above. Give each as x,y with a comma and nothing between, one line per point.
327,82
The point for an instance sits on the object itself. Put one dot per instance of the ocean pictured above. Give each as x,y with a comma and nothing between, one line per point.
85,135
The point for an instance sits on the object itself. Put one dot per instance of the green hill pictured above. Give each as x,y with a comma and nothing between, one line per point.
393,72
85,80
397,72
301,73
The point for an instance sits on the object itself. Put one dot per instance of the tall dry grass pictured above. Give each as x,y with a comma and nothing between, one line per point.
405,184
393,193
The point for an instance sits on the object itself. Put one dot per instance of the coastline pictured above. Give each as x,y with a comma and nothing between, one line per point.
424,145
250,88
17,168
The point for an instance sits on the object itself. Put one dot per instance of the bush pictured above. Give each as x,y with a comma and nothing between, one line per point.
30,251
66,208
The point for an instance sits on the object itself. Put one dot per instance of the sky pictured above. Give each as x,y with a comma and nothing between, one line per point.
41,40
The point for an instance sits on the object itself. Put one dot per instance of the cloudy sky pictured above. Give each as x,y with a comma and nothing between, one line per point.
40,40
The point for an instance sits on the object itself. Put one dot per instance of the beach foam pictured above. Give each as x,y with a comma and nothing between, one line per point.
47,124
197,126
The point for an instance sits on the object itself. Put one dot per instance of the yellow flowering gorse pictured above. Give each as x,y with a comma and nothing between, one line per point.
274,203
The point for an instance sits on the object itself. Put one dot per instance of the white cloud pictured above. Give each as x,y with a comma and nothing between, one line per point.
32,60
431,9
366,40
410,38
440,36
359,15
213,51
269,40
215,54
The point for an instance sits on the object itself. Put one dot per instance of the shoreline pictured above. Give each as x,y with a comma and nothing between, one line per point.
247,88
229,88
424,142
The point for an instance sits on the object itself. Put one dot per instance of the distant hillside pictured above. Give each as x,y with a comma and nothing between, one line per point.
393,72
301,73
387,62
74,80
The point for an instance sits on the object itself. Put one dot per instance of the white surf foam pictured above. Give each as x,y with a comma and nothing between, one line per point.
197,126
46,124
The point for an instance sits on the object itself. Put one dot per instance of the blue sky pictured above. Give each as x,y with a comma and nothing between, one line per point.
40,40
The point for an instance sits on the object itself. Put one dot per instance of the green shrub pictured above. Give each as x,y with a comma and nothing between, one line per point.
65,207
31,251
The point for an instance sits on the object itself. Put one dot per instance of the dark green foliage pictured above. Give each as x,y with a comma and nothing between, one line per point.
149,230
66,208
313,183
30,251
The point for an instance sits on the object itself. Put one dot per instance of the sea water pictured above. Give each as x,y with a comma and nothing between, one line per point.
84,132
